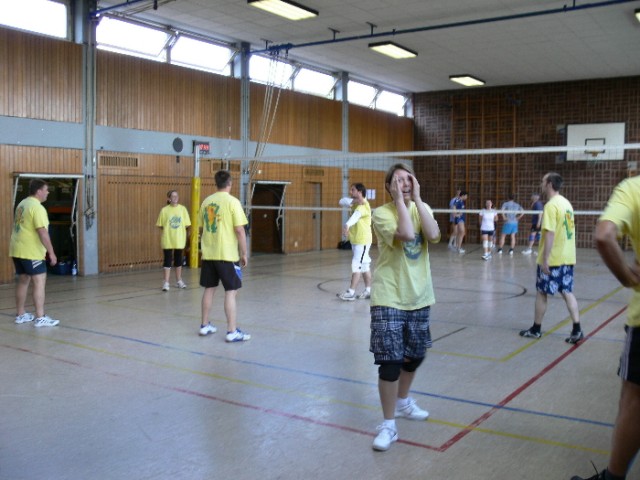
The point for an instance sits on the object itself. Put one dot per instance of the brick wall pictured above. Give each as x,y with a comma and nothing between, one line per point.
540,112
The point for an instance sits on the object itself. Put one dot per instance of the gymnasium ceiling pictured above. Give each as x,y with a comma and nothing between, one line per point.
590,39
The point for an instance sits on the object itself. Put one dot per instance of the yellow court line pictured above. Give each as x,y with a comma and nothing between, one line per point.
526,438
167,366
560,325
297,393
530,343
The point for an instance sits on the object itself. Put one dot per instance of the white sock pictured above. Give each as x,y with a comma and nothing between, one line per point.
367,289
402,402
350,291
390,424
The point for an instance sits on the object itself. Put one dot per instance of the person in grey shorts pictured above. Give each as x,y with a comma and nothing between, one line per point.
401,298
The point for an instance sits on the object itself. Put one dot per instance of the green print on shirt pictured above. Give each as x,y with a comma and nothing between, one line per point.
175,222
569,226
210,217
413,248
18,221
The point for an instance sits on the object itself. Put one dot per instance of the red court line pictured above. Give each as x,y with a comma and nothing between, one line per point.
459,436
269,411
445,446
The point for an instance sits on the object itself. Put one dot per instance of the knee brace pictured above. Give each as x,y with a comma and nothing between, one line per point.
412,365
389,372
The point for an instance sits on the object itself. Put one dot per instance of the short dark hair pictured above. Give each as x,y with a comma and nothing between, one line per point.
35,185
463,193
222,178
361,188
556,180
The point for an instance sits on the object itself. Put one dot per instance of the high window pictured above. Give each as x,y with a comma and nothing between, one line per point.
39,16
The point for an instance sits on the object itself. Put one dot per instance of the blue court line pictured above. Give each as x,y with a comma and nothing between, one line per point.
343,379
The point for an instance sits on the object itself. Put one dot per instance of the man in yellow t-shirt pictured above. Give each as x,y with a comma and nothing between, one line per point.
401,298
224,253
556,258
30,242
174,221
622,217
358,230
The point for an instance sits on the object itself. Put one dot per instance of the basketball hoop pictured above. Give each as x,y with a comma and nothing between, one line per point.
593,153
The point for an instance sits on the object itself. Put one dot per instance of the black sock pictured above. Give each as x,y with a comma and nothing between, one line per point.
576,328
535,328
609,476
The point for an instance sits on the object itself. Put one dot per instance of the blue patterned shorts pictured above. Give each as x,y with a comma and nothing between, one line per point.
399,334
559,280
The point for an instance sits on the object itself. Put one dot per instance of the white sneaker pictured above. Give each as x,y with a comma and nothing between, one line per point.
461,250
386,436
181,284
364,295
237,336
527,251
207,329
511,251
165,287
412,411
346,296
25,317
46,321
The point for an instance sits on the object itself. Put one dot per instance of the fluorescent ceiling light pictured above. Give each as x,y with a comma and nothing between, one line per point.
638,14
466,80
393,50
285,8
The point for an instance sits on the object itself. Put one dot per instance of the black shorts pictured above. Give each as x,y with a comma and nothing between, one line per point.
215,271
29,267
629,368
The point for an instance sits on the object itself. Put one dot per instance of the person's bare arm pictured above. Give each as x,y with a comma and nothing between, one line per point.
606,239
43,233
242,244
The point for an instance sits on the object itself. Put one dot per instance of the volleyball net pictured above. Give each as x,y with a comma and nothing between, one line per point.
293,201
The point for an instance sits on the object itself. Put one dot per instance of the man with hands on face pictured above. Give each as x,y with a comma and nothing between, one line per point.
401,297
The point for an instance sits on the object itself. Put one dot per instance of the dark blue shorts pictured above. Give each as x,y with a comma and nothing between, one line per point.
399,334
560,280
29,267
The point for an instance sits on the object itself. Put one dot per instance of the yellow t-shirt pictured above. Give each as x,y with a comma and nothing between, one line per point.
558,218
360,233
25,242
219,214
174,221
402,278
623,210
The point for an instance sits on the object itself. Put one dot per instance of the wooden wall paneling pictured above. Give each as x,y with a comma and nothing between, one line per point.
301,120
40,77
27,160
146,95
130,200
377,131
